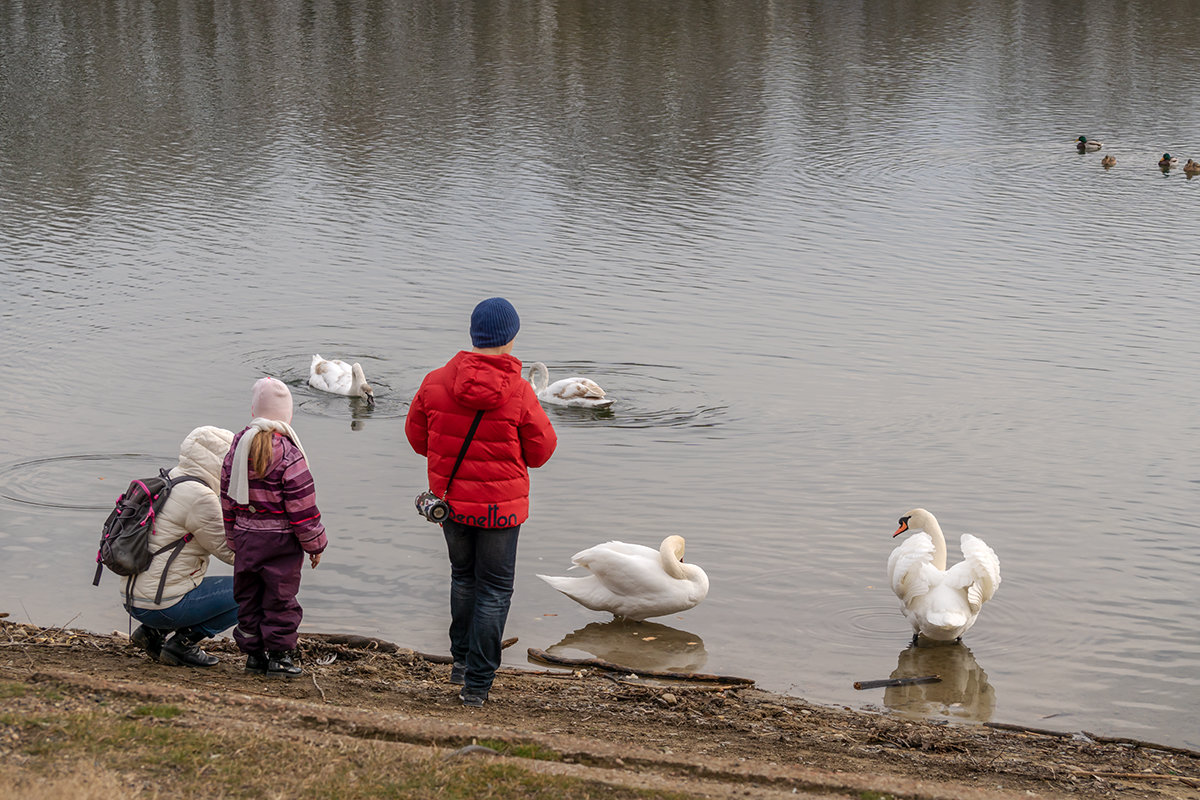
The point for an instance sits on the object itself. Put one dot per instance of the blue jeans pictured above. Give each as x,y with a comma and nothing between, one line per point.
482,567
208,609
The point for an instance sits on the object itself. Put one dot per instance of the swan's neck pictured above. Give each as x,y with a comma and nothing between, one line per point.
939,543
539,371
357,379
671,555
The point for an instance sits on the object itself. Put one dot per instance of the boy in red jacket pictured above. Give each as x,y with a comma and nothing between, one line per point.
489,497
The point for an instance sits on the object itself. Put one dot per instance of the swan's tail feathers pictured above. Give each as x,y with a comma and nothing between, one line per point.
945,620
564,585
984,567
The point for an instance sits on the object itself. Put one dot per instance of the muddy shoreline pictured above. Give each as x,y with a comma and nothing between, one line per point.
703,738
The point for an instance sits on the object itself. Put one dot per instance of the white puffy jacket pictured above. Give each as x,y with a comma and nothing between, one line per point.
191,507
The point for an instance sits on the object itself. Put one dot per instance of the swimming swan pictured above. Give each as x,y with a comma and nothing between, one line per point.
575,391
634,581
940,603
339,377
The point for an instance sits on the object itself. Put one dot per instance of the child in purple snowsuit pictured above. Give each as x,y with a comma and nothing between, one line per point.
271,521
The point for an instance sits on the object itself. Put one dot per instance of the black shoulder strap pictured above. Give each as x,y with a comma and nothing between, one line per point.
462,453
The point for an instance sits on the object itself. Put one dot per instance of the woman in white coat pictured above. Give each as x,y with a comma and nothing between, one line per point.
193,607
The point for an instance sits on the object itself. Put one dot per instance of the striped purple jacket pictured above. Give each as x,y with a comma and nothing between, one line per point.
286,499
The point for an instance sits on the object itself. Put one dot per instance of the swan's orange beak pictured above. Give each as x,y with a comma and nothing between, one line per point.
903,527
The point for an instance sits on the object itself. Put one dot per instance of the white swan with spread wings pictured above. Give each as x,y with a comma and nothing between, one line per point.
940,603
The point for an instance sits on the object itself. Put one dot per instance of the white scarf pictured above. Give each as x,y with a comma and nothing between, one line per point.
239,477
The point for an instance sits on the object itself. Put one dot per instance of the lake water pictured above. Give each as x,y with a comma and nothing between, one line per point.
835,260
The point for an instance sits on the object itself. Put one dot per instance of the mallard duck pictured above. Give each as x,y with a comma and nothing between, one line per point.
940,604
1084,146
1167,161
338,377
1108,161
1192,167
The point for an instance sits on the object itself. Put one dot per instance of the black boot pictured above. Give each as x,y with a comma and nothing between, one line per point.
183,650
279,664
256,663
149,639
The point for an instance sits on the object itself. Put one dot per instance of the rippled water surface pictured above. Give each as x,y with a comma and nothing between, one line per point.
834,260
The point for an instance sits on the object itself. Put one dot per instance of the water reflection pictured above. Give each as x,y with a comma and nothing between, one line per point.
638,645
963,693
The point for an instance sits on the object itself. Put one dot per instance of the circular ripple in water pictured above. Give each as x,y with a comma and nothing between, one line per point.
88,482
645,396
293,370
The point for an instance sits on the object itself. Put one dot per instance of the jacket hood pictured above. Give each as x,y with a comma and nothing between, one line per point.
203,452
484,381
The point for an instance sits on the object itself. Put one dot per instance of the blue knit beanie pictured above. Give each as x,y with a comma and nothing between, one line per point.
494,323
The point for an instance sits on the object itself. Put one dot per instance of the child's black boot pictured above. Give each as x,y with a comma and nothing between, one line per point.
280,665
256,663
183,650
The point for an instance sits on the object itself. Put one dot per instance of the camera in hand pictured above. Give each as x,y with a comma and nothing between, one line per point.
432,507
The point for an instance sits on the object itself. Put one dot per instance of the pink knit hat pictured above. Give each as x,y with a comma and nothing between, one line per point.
271,400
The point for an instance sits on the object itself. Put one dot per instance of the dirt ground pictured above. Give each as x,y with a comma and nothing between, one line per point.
703,739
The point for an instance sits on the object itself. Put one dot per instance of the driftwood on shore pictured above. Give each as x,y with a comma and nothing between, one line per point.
897,682
355,642
608,666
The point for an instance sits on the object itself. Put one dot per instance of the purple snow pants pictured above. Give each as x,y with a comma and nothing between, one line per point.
266,578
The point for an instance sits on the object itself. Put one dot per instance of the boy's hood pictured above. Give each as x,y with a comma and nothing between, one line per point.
484,381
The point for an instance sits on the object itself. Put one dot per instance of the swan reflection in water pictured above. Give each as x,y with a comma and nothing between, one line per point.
647,646
963,693
360,411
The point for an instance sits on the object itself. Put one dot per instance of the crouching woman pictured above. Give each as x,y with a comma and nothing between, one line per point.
193,607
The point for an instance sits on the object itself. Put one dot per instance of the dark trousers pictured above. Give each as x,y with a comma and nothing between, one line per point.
265,586
482,567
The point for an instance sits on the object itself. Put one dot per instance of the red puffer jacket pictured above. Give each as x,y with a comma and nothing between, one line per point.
491,488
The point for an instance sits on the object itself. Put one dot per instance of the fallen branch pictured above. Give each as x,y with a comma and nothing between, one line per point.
1140,743
438,658
1144,776
897,682
351,640
608,666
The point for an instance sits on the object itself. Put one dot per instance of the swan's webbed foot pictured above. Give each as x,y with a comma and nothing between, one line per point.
916,636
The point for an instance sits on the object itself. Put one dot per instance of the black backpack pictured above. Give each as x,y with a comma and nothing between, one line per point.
125,541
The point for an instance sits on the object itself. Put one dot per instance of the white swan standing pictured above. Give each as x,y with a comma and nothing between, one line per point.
574,391
940,603
338,377
634,581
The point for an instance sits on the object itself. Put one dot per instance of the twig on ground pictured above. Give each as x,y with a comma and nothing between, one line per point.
313,675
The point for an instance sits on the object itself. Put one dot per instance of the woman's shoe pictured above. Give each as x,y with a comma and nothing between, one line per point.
256,663
183,650
279,664
149,639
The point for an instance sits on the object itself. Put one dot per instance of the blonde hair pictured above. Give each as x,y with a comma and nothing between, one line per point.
261,453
